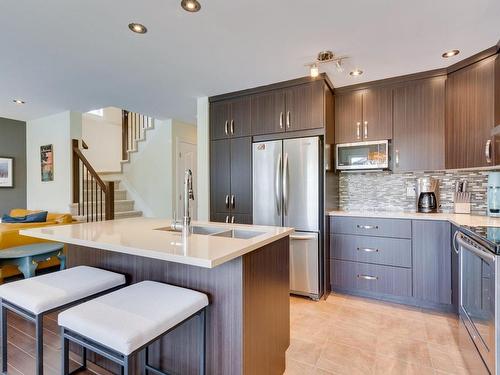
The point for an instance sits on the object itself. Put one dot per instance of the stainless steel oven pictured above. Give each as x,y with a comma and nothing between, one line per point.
478,275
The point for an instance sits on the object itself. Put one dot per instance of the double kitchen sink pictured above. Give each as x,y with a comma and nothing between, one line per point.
218,232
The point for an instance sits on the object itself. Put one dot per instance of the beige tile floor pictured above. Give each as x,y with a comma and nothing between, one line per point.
352,335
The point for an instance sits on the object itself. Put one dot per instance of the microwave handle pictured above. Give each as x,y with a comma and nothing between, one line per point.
482,254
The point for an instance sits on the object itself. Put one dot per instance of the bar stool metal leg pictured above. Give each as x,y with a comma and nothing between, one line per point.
39,344
65,354
202,348
3,317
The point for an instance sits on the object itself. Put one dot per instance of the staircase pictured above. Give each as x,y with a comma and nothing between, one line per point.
102,196
91,202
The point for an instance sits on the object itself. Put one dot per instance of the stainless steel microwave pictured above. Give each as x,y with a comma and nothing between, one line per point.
362,155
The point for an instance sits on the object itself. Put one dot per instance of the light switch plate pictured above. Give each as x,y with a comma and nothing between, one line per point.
410,192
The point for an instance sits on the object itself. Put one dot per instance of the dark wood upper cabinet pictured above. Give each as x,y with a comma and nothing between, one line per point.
240,121
470,115
305,106
230,118
377,114
418,134
220,112
348,117
268,112
363,115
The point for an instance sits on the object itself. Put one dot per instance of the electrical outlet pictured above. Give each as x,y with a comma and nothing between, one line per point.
410,192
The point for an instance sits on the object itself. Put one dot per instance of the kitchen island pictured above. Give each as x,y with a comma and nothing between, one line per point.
244,270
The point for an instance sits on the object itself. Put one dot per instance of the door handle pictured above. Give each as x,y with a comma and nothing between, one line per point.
303,237
358,130
368,277
487,151
281,120
367,250
288,122
227,201
285,186
366,129
277,182
233,201
232,126
226,127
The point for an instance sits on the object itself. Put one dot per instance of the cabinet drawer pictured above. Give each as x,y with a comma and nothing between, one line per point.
371,278
367,226
378,250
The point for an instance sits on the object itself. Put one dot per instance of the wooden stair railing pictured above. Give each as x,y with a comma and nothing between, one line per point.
134,126
95,197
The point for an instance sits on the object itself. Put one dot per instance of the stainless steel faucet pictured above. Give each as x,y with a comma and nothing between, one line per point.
185,226
188,195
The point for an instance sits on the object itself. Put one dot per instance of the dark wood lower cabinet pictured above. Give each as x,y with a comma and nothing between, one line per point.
406,261
432,261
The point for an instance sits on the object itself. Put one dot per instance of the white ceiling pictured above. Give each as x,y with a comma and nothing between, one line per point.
79,55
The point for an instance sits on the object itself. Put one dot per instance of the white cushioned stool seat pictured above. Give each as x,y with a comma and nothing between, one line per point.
131,317
43,293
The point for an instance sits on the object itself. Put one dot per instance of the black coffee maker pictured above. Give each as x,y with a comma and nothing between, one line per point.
427,192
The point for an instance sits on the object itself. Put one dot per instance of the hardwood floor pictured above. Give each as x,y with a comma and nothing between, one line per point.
343,335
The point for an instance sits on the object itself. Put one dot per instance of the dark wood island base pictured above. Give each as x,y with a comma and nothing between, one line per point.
248,320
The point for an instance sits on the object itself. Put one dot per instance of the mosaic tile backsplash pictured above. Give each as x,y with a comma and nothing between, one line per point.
386,191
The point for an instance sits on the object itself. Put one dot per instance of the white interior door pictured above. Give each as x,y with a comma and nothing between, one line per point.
186,159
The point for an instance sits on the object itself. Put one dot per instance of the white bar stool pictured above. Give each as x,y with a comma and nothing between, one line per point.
121,324
35,297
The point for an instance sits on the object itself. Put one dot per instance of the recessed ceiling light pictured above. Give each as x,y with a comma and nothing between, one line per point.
19,101
137,28
450,53
356,72
191,5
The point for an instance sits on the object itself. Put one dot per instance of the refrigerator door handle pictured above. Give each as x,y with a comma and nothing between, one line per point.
285,185
277,183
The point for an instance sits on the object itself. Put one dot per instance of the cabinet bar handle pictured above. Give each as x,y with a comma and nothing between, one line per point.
225,127
232,126
397,158
281,120
368,277
487,151
367,250
358,130
227,201
227,219
232,220
233,201
367,226
366,129
288,119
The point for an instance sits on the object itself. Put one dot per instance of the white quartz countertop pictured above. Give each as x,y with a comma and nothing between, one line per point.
138,236
457,219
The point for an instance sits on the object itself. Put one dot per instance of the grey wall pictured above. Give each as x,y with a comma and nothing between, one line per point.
385,191
13,144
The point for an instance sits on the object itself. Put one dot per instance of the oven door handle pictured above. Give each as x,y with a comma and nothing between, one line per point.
482,254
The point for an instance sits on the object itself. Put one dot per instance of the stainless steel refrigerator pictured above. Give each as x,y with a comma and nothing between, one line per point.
286,176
